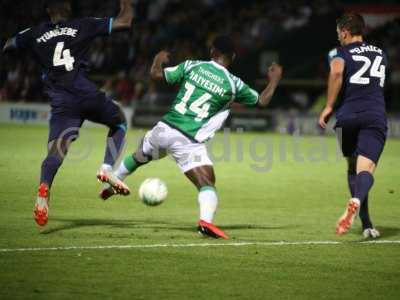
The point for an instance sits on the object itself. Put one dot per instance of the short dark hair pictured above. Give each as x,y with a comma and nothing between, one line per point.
352,22
56,4
224,44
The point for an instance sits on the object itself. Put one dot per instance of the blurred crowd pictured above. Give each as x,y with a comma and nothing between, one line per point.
121,62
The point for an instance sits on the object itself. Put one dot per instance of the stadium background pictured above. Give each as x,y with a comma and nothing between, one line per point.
298,34
281,221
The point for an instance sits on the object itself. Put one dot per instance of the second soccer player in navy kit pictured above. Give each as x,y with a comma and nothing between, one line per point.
357,78
60,47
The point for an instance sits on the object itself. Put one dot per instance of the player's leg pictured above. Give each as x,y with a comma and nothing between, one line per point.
102,110
370,144
364,182
347,131
115,138
133,161
194,162
150,148
203,178
63,131
351,173
114,145
351,177
57,150
127,167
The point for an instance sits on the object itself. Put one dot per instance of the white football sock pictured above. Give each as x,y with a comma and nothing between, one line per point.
208,201
106,167
122,172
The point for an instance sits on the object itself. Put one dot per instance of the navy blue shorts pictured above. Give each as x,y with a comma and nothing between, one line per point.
363,134
66,121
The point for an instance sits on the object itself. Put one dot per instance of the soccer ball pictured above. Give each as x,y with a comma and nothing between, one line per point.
153,191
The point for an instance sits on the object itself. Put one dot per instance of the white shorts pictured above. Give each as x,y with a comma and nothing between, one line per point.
163,140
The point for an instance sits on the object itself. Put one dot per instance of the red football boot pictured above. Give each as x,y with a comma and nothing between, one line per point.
346,220
210,230
118,185
41,211
106,193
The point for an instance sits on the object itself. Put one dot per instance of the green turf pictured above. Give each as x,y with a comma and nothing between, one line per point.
293,201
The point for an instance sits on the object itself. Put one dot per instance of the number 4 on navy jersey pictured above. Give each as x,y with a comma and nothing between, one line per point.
62,57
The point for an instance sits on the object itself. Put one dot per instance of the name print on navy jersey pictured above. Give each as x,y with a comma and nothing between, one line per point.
67,31
367,48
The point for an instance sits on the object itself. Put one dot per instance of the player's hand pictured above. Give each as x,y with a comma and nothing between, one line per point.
325,116
163,57
275,72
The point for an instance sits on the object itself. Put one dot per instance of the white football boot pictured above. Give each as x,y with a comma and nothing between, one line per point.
371,233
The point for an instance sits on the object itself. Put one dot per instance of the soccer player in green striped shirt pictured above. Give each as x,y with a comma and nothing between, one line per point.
206,91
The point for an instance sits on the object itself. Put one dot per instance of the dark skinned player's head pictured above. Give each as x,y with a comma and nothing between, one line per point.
348,26
58,8
222,48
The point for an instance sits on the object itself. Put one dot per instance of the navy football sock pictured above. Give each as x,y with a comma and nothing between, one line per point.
351,180
50,166
115,142
364,212
364,215
364,182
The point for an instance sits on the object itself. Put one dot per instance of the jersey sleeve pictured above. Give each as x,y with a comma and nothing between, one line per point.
94,27
245,94
336,53
175,75
23,39
385,60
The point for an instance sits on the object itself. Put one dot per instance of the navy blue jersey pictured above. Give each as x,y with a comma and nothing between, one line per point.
363,78
61,50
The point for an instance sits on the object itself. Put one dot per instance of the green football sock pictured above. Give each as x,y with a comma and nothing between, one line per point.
127,167
130,164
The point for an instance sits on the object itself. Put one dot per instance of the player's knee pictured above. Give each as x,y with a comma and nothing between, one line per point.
365,164
141,158
202,177
121,120
122,127
205,181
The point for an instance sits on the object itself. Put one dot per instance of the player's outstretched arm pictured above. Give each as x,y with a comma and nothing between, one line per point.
125,16
157,69
335,82
274,76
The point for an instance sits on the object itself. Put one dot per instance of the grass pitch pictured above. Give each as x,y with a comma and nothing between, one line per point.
276,189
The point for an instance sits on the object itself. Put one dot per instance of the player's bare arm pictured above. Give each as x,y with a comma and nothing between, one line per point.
274,77
335,82
157,68
125,16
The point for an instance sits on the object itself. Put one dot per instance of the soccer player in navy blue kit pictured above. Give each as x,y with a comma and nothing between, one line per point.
60,47
357,77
